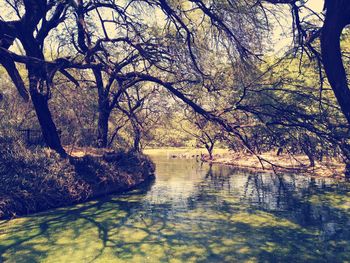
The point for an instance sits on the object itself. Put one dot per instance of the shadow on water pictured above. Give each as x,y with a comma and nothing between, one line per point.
193,213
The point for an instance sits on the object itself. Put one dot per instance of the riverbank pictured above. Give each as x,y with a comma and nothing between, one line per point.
270,162
284,163
37,180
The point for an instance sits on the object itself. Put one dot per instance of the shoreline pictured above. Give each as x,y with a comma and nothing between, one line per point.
280,164
330,168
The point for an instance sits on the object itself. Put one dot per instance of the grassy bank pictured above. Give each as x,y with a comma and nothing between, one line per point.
36,180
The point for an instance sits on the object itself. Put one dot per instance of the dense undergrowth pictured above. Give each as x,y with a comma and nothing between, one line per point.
33,180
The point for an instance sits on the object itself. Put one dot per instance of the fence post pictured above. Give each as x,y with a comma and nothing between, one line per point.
28,136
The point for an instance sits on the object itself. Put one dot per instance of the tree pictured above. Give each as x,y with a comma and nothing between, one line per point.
205,133
337,18
132,48
31,29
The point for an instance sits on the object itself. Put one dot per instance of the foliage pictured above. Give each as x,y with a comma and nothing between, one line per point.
115,77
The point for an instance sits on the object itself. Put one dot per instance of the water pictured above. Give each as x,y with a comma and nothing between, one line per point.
193,213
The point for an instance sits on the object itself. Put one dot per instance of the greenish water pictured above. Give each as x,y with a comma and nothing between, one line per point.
193,213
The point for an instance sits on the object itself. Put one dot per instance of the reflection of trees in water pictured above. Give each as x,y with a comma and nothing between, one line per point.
283,195
271,192
226,218
218,179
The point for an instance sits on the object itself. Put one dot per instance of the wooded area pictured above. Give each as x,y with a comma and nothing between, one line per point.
105,72
177,73
251,97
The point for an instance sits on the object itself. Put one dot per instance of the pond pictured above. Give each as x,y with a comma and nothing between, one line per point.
193,213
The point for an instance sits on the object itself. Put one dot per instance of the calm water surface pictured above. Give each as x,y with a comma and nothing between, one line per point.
193,213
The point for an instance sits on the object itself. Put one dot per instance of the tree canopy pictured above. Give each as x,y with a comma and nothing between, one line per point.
107,68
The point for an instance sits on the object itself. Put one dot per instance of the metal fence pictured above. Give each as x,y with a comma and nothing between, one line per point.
31,137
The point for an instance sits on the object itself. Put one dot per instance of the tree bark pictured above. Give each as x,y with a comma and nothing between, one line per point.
104,111
48,127
347,171
210,149
102,127
23,30
337,17
16,78
137,136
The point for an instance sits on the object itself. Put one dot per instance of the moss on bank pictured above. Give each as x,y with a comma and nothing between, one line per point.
36,180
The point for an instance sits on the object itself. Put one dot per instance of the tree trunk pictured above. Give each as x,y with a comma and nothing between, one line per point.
337,17
347,171
102,129
311,159
48,127
279,151
137,137
104,111
210,149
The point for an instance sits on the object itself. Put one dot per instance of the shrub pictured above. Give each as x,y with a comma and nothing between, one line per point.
33,180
